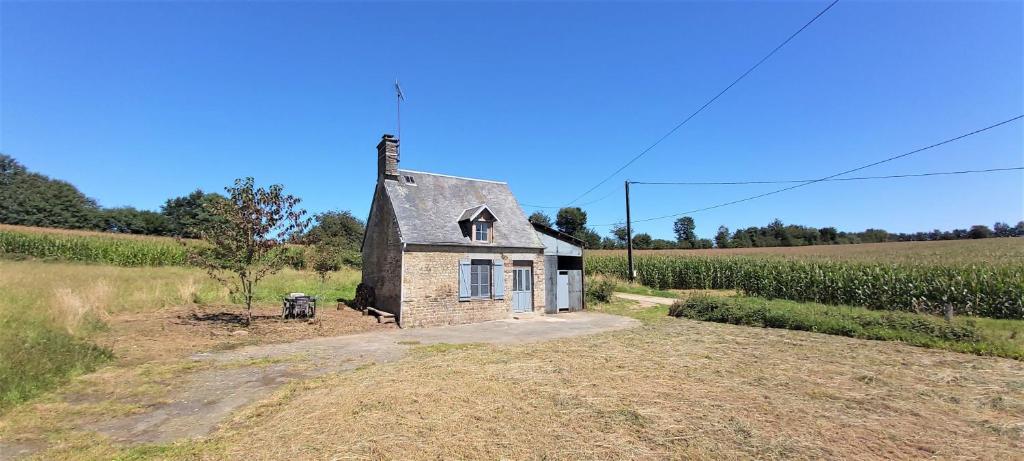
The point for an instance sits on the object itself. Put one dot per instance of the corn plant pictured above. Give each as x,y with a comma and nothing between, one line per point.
970,289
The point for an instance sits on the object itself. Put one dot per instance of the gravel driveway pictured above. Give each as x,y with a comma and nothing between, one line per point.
207,397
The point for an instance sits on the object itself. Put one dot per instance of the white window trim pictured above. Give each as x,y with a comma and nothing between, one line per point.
490,231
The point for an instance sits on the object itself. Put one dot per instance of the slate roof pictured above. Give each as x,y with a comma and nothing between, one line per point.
429,211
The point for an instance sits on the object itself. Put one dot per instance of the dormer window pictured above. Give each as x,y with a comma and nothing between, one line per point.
482,231
477,224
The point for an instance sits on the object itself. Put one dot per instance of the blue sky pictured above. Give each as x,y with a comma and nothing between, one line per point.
136,103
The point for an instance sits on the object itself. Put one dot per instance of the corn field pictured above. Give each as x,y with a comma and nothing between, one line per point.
971,289
93,249
111,249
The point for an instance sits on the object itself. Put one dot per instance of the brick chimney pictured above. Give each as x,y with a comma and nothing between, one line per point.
387,157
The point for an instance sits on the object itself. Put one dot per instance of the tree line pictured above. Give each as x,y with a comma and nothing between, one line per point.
573,220
31,199
28,198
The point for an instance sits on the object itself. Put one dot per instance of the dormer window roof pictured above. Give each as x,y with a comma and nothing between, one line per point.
476,213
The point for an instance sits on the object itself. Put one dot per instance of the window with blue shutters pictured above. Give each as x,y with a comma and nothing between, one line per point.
464,280
481,279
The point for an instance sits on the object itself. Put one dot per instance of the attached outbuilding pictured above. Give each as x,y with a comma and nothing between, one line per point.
563,270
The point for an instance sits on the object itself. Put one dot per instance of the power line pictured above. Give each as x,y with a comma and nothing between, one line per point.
792,181
708,103
826,178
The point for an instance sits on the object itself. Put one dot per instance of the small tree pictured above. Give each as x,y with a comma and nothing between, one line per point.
684,229
642,241
979,232
620,233
247,238
571,220
722,237
325,259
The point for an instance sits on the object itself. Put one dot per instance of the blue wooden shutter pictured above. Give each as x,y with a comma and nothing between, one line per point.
464,289
499,279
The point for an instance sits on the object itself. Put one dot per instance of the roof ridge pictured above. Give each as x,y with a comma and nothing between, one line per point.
456,177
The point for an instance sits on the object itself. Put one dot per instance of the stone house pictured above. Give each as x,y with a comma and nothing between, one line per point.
441,250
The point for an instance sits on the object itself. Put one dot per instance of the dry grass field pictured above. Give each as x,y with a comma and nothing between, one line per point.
983,251
671,389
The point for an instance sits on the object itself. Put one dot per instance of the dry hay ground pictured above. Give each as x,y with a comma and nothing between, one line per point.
152,351
178,332
668,390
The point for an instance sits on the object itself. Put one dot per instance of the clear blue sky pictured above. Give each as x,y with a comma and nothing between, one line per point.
136,103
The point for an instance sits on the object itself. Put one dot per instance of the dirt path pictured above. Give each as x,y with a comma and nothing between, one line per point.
243,376
647,301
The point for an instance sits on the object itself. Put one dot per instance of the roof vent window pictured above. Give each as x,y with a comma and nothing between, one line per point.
410,180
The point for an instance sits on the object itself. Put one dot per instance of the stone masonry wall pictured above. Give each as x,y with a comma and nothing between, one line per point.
382,254
431,286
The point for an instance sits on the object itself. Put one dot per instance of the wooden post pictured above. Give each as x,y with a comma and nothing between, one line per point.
629,236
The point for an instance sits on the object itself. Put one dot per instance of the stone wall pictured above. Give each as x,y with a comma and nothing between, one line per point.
382,254
431,285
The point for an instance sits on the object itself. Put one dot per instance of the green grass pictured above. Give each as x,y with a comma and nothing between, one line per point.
637,289
625,308
1002,338
49,311
37,356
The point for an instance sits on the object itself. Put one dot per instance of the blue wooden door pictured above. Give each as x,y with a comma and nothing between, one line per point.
522,289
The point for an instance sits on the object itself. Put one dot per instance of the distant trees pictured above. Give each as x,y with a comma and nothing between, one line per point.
538,217
32,199
337,228
590,238
722,237
189,214
620,233
778,234
337,238
685,230
571,220
128,220
979,232
642,241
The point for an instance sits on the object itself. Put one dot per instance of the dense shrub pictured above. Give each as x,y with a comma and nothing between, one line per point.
599,289
917,329
982,290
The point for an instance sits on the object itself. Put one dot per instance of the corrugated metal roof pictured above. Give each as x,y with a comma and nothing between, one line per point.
429,211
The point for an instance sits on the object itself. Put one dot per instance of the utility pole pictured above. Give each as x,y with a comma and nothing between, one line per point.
629,236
